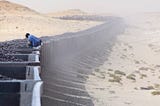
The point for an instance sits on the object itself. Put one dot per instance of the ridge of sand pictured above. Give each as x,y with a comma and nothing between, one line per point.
16,20
8,8
69,12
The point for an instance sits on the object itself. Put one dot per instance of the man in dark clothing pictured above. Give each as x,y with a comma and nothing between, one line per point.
33,41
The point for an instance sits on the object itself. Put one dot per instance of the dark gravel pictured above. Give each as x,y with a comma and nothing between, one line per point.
86,18
9,47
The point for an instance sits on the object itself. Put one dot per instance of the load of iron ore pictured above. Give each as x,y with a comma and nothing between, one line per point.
10,47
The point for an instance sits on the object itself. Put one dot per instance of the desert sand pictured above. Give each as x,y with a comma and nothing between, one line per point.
16,20
131,75
70,12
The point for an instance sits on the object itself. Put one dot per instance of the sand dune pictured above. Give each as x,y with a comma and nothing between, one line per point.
8,8
130,74
70,12
16,20
78,15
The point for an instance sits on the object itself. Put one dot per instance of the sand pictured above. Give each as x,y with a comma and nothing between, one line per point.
67,61
130,76
71,12
16,20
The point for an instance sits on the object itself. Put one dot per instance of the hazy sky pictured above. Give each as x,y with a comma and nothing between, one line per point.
100,6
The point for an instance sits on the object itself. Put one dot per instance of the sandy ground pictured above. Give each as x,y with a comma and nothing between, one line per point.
131,75
39,27
70,12
16,20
